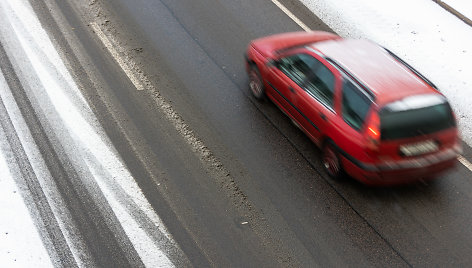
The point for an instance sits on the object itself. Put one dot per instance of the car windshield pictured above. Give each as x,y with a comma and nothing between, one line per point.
415,116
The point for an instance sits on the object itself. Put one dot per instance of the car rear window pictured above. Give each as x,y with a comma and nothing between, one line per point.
414,117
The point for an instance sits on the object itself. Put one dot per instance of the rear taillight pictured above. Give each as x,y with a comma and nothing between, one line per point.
373,132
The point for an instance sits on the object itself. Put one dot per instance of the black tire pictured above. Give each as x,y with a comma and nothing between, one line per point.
331,162
256,85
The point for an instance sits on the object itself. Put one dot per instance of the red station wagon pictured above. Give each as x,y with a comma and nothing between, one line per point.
373,115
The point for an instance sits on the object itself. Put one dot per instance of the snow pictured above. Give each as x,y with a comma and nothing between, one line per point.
462,6
20,243
432,40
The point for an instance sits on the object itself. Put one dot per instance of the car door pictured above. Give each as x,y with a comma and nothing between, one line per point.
355,108
317,102
286,79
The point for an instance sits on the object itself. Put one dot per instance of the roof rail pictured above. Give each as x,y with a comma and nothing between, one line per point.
426,80
352,77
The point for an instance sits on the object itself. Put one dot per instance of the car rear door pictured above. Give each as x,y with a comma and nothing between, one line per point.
356,107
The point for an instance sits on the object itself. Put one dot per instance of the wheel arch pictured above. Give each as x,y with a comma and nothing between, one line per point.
326,140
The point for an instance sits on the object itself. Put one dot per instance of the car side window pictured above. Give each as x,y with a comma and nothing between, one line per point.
355,105
320,83
297,67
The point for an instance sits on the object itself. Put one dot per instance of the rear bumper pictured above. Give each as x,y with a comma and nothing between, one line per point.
405,171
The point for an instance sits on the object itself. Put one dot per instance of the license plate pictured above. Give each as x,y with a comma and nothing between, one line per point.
419,148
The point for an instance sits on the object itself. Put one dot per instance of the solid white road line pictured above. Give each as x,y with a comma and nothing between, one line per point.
198,147
291,15
125,65
465,162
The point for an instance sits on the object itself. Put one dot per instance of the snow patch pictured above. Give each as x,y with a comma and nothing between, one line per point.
20,243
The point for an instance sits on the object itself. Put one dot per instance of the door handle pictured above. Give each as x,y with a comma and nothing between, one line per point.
323,117
291,89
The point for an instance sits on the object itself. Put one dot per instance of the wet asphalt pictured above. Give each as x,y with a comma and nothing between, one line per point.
274,206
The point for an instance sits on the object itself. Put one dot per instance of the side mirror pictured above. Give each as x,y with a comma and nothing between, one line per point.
272,63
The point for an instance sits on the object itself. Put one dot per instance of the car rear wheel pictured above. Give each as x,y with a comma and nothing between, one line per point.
331,162
255,83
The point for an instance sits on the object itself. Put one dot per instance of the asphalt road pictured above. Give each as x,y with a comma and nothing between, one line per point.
249,192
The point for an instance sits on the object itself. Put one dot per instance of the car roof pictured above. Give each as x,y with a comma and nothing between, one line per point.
375,68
